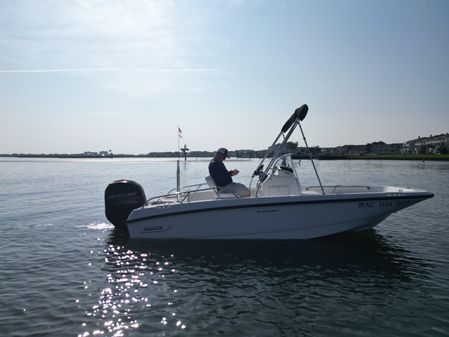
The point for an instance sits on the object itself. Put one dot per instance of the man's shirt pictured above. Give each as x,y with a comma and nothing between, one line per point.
219,173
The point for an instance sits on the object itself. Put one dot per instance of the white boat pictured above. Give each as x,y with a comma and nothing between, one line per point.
279,207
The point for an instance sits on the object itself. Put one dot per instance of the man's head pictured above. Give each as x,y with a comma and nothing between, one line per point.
221,154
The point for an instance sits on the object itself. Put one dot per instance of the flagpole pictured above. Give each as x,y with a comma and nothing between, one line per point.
178,175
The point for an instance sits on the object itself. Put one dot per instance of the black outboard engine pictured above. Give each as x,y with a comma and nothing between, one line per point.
121,197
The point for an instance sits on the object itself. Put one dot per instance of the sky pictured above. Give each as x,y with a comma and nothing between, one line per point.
91,75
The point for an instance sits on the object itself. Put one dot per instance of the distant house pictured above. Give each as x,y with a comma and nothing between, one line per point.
431,144
261,153
393,148
327,151
355,150
383,148
289,147
304,152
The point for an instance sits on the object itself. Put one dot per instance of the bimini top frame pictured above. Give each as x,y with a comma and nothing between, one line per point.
286,131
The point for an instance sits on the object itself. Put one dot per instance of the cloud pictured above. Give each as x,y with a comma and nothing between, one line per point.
154,83
109,70
120,38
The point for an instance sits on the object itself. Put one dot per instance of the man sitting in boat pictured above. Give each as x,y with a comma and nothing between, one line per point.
223,177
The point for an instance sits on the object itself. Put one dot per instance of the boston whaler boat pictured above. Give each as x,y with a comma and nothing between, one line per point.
279,206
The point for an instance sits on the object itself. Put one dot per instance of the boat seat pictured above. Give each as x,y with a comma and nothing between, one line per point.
210,181
223,195
202,196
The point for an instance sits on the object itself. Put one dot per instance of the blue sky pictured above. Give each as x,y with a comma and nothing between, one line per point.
105,74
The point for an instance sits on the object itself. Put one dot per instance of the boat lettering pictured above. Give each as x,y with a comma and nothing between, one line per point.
267,211
123,195
375,204
155,228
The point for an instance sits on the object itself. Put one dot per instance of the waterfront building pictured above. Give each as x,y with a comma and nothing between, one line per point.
383,148
302,151
431,144
90,154
289,147
355,150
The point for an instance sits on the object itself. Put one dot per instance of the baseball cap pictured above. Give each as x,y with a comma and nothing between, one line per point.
223,151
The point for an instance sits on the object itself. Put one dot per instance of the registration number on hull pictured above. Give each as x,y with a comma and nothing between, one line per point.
384,203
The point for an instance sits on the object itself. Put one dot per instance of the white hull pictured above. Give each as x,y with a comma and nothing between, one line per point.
285,217
278,207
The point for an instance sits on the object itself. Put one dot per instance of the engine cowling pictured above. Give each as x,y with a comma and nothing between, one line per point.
121,197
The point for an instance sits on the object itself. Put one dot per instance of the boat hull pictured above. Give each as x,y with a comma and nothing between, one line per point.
294,217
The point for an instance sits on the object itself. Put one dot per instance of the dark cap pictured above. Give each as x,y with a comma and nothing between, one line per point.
223,151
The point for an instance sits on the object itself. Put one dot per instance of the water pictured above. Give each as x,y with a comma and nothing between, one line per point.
64,272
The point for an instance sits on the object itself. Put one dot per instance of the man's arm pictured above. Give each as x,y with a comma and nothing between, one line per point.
234,172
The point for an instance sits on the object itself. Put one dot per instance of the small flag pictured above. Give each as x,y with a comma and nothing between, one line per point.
179,132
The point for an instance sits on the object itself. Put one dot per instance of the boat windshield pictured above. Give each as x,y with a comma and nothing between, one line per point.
285,162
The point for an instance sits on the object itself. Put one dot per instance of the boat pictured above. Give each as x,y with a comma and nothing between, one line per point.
279,207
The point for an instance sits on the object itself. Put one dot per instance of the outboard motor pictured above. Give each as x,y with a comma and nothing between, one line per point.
121,197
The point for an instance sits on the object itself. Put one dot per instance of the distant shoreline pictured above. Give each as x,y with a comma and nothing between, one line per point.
416,157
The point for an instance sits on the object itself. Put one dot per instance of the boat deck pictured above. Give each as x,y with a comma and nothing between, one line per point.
210,194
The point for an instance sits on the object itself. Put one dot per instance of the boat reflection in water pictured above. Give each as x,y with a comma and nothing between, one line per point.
365,251
161,285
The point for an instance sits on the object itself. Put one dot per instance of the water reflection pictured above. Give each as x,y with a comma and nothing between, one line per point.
134,292
168,286
368,250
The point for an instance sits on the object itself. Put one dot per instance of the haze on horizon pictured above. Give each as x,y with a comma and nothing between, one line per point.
78,75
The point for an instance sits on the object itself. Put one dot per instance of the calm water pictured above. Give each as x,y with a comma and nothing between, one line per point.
63,271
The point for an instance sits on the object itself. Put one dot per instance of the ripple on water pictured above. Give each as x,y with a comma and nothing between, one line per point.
287,288
134,295
64,272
